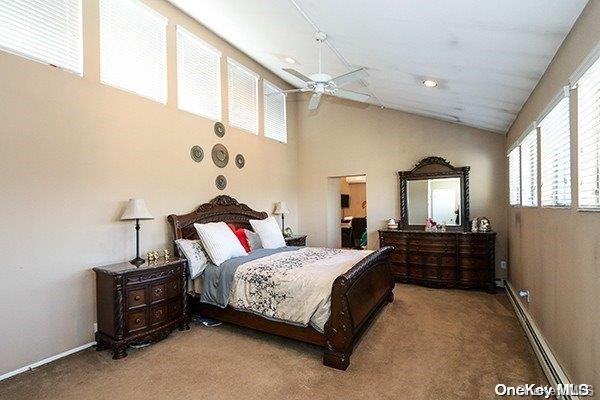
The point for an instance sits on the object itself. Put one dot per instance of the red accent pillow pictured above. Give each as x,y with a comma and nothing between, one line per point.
241,235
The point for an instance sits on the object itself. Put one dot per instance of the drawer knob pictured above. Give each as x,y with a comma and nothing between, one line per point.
137,297
138,320
157,291
158,313
175,287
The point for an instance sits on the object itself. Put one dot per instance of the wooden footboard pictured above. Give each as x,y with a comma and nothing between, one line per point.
356,297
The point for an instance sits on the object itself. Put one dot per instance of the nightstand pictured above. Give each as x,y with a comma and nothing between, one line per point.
138,304
296,240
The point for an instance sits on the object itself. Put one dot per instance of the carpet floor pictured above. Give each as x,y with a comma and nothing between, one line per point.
427,344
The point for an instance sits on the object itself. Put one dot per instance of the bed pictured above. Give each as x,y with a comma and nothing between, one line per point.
356,294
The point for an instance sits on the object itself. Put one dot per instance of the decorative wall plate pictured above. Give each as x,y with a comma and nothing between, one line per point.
219,129
220,155
221,182
197,153
240,161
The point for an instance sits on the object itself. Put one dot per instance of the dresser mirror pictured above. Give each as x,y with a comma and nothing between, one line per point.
434,189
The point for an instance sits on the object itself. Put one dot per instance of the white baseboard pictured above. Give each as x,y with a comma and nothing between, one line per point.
46,361
552,369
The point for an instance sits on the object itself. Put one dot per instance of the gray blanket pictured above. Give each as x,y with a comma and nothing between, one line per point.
217,280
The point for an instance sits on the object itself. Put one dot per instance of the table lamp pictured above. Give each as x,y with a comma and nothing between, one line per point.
136,209
281,208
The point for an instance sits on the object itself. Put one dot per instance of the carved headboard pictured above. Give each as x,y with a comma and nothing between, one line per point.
220,209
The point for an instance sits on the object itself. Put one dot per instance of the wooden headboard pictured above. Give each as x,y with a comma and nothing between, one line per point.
220,209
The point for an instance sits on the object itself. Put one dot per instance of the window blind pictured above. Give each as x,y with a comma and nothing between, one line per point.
275,112
46,31
555,142
514,176
529,170
198,76
133,48
243,97
588,127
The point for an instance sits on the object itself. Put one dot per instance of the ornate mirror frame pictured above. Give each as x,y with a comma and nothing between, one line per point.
431,168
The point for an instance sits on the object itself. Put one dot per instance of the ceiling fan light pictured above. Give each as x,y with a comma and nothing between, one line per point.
429,83
289,60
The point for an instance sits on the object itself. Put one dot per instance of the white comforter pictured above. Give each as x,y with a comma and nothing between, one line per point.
294,287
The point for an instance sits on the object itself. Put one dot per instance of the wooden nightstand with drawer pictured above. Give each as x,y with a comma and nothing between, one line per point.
139,304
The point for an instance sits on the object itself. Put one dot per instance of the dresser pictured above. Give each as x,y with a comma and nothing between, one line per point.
140,304
456,259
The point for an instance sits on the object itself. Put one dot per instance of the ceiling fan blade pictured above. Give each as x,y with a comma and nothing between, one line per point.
350,76
287,91
350,95
313,104
297,74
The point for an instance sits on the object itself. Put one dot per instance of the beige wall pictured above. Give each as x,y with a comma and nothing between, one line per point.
73,151
344,138
555,253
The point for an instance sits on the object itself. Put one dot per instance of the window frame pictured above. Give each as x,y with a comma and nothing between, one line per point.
284,97
516,148
563,94
235,64
219,56
43,61
165,84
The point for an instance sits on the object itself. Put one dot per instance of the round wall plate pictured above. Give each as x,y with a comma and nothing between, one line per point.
220,155
219,129
197,153
221,182
240,161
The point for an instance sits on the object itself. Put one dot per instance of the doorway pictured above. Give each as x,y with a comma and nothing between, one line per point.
347,212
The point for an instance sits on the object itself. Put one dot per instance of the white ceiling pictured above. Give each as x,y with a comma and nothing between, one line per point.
486,55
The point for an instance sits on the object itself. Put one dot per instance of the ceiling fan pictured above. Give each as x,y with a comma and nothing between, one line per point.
321,83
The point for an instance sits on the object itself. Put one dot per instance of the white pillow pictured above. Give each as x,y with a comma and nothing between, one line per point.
220,242
195,254
253,240
268,231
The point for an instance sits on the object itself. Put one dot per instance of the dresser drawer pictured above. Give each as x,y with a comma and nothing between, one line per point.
136,298
173,288
136,321
158,292
158,314
474,262
151,276
432,259
174,309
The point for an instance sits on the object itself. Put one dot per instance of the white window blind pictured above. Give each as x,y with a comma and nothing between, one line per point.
47,31
198,76
529,170
588,117
243,97
555,141
133,48
514,176
275,112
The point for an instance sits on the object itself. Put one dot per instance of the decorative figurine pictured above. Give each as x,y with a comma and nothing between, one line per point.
167,255
392,224
474,225
150,256
155,255
484,224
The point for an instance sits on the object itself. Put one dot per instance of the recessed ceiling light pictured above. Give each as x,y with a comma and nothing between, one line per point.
429,83
289,60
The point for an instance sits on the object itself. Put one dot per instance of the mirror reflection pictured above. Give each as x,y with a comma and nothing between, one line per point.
438,199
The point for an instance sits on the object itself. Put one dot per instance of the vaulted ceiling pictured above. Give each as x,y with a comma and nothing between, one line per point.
487,56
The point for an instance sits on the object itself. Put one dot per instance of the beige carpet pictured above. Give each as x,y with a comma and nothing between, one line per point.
428,344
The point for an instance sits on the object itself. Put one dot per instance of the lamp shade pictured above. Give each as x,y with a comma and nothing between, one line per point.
281,208
136,209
